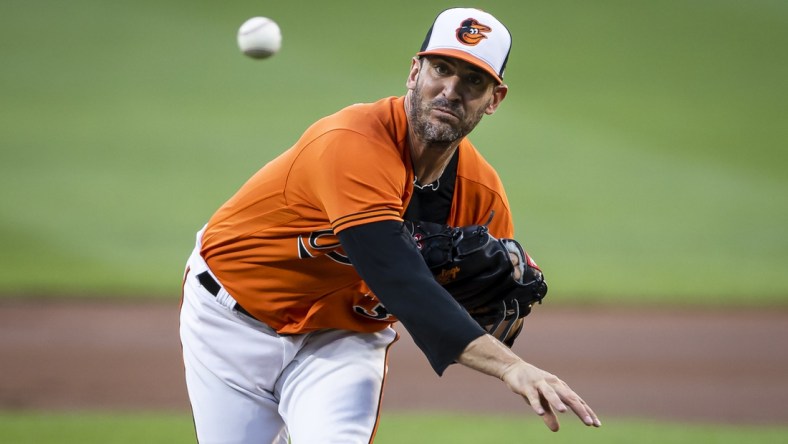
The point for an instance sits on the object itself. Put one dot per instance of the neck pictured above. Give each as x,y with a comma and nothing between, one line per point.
429,159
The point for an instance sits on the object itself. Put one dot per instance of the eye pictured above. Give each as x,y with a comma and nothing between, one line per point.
442,68
475,79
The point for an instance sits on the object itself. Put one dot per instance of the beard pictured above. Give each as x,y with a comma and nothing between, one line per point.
440,132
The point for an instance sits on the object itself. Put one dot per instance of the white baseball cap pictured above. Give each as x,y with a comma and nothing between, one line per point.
471,35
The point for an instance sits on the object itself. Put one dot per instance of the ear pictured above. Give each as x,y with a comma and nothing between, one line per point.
415,67
499,93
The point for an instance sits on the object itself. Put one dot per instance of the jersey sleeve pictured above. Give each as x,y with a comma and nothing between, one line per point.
359,180
480,194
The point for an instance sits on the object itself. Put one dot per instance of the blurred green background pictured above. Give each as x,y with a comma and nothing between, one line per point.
643,144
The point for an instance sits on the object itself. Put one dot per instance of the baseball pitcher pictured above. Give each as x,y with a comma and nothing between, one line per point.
383,212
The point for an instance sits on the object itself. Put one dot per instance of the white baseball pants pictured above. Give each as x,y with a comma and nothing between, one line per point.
247,384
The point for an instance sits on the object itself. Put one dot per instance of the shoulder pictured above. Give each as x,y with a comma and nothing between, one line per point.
383,120
473,167
366,130
481,193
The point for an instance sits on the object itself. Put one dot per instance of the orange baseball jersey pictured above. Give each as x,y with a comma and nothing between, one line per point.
273,245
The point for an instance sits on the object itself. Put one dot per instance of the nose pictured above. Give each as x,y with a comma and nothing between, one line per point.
451,88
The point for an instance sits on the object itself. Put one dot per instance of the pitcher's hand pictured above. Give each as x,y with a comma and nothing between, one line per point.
547,394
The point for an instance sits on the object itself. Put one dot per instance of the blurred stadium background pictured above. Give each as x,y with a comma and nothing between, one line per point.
644,145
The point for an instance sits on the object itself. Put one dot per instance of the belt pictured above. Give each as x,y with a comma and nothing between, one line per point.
213,287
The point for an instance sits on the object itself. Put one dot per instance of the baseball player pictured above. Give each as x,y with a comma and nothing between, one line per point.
294,283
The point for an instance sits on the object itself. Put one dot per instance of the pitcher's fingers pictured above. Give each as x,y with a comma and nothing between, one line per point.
594,417
533,399
583,411
552,397
550,418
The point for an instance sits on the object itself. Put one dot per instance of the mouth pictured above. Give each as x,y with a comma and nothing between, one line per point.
445,112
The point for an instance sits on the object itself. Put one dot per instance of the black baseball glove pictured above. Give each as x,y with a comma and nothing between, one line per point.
478,271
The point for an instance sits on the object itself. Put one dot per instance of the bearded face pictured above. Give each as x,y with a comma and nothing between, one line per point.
450,124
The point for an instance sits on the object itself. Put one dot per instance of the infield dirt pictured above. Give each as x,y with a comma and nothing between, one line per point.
682,365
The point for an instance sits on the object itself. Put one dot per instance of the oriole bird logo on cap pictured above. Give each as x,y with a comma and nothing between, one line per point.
471,32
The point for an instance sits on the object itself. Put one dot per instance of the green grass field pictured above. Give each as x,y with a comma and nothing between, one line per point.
165,428
643,144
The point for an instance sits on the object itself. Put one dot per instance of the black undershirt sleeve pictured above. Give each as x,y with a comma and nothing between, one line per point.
386,257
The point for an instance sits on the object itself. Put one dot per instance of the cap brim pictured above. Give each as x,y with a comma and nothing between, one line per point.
462,55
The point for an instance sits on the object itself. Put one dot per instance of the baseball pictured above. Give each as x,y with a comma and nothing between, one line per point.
259,37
